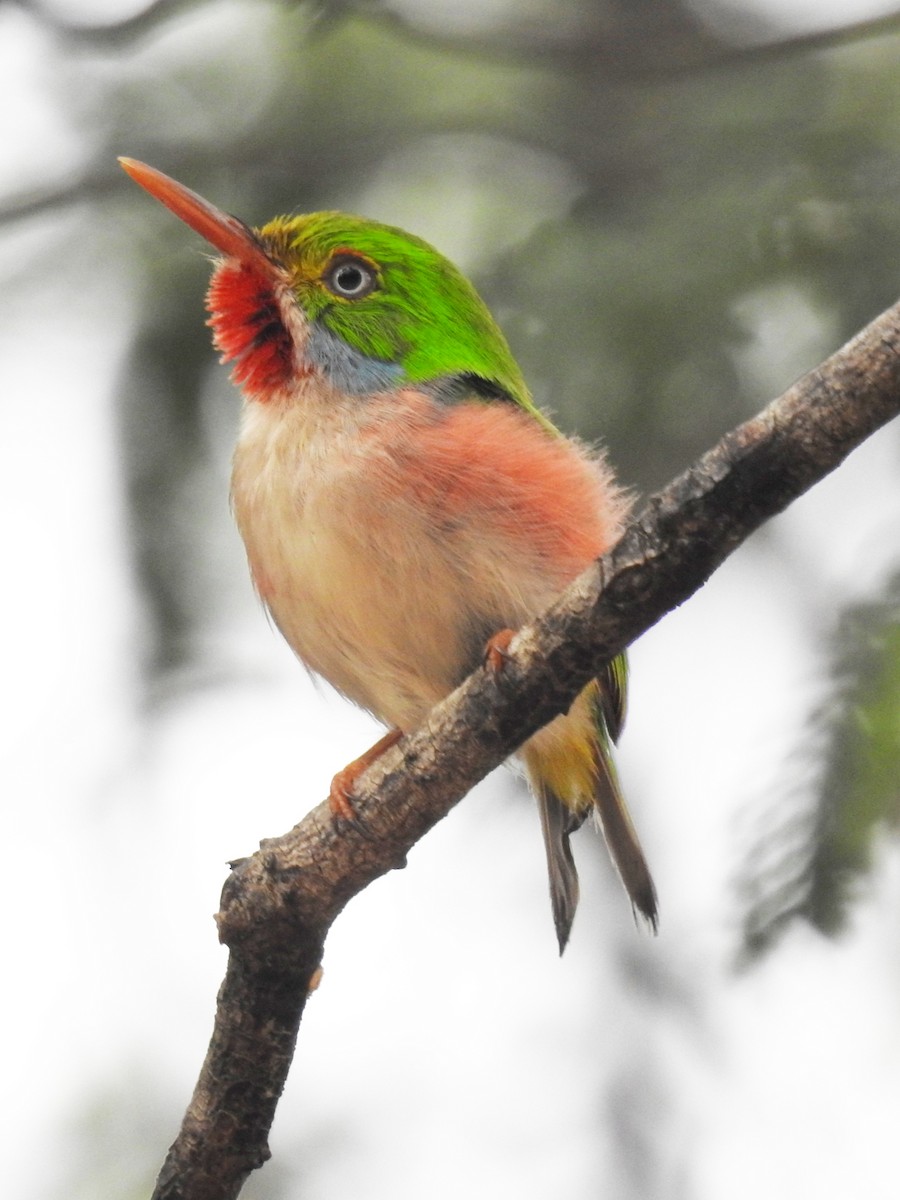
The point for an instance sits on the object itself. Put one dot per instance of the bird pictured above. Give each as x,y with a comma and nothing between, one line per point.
403,502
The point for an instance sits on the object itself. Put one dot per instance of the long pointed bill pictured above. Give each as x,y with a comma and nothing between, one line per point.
225,232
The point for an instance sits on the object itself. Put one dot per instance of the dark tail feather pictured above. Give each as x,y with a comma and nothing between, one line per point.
621,838
557,823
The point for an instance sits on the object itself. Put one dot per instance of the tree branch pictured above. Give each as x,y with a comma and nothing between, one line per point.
278,905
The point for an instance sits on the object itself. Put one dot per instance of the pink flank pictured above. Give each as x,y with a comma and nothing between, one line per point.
492,466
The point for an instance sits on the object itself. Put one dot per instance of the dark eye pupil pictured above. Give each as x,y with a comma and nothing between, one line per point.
349,279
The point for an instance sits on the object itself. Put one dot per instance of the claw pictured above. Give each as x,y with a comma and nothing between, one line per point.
496,652
340,794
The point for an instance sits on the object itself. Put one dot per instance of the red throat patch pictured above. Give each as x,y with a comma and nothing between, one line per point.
248,329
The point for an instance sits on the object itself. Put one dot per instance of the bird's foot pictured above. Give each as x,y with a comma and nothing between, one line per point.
496,652
340,794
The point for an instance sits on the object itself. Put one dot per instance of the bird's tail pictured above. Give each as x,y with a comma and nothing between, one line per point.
572,772
557,822
621,837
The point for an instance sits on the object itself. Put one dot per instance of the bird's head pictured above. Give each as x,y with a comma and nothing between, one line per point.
366,306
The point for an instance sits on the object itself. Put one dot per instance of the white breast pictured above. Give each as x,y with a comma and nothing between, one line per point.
366,591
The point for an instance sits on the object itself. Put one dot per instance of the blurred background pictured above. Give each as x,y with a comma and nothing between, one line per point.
674,209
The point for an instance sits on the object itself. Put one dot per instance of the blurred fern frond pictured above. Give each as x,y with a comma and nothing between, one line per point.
812,862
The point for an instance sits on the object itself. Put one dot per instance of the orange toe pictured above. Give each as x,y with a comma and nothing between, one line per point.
340,794
496,652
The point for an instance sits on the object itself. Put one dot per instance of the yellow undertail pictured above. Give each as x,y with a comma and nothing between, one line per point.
571,769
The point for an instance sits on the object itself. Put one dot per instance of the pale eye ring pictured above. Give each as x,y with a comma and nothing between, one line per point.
350,277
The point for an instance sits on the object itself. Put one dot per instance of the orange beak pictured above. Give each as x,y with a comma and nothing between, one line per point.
226,233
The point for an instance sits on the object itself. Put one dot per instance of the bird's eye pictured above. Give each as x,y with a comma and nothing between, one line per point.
351,278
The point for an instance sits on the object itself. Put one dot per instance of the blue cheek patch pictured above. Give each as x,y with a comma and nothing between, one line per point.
347,369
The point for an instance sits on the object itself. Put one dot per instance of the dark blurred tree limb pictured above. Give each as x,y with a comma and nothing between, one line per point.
620,43
278,905
630,44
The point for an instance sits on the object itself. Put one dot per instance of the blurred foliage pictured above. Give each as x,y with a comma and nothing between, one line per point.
618,179
815,860
671,218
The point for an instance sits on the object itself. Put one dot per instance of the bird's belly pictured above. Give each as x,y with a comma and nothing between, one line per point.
390,540
370,594
358,616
